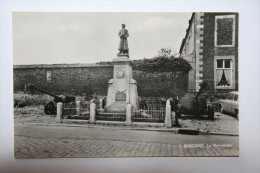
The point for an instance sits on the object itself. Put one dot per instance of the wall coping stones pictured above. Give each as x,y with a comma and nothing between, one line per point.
60,65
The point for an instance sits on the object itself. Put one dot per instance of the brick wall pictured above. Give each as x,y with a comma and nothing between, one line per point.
210,50
89,79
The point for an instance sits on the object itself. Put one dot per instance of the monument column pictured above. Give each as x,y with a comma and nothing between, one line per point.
122,89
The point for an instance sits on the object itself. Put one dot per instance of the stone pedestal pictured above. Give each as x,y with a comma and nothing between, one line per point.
92,112
59,112
168,121
128,121
122,89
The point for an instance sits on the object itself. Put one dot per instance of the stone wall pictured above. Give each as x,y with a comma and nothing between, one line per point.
77,79
74,80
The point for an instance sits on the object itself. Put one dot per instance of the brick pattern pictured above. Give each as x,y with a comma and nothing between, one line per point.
79,80
210,51
28,147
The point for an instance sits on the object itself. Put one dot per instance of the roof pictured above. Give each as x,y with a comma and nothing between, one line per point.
187,32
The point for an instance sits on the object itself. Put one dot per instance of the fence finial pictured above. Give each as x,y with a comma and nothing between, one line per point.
168,102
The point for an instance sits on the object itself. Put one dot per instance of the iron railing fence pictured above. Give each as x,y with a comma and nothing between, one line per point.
70,111
110,115
85,109
151,115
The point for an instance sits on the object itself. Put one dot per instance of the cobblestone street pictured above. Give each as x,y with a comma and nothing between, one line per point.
58,142
27,147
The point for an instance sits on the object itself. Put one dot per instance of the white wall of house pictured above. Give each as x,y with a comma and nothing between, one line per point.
191,52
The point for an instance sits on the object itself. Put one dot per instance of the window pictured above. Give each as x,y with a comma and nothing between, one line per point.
224,76
225,31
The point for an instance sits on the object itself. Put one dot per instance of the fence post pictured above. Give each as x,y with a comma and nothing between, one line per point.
83,100
168,121
101,104
92,112
78,107
59,112
128,121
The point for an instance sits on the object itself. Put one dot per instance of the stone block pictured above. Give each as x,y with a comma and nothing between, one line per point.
128,115
117,106
59,112
168,122
92,112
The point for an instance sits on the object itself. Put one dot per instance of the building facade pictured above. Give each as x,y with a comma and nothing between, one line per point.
211,47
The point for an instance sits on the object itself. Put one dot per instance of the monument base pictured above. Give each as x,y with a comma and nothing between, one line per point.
122,89
117,106
122,55
122,59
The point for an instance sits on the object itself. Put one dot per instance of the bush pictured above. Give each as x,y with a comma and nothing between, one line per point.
24,99
163,62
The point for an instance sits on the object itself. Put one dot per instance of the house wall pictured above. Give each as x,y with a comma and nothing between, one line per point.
192,73
89,79
188,47
188,53
211,51
204,55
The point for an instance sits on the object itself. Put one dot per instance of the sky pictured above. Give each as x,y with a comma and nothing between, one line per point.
90,37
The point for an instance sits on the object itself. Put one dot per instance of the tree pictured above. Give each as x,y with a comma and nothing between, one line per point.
163,62
165,52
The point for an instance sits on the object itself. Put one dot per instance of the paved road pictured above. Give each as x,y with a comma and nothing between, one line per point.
33,141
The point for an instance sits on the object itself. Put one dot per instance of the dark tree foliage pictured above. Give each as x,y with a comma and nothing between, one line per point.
163,62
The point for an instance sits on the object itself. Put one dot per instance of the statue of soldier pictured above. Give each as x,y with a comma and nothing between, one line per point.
123,45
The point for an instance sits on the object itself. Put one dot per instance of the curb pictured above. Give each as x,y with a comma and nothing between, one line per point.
225,134
188,131
83,125
200,132
185,131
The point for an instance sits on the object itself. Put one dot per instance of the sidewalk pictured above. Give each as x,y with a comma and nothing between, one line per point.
140,126
222,125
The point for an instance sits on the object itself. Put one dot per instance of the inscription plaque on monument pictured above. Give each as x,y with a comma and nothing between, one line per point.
120,96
